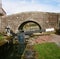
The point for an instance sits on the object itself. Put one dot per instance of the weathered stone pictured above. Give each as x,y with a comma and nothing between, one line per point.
46,20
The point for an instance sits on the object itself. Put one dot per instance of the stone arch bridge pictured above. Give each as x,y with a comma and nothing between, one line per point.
44,19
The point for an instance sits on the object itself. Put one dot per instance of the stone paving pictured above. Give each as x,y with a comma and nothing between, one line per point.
45,38
29,52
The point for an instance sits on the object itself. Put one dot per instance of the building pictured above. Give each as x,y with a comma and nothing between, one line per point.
2,13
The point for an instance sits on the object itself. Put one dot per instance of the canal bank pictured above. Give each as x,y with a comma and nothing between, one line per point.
5,47
11,51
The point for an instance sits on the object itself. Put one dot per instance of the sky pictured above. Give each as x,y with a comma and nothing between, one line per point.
17,6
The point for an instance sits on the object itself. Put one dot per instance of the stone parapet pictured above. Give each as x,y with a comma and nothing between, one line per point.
45,19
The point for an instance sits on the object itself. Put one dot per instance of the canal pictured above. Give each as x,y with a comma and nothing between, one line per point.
14,51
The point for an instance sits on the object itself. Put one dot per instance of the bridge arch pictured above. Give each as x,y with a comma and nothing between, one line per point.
29,21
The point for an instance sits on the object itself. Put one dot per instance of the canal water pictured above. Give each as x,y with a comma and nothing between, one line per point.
14,52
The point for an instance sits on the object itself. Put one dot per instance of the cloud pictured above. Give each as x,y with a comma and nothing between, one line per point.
28,5
57,1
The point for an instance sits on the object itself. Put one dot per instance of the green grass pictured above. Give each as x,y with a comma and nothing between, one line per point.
1,37
47,51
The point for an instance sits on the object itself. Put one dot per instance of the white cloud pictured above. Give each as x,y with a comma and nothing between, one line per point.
15,7
52,0
57,0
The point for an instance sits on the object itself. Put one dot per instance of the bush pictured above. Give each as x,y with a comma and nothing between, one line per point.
57,31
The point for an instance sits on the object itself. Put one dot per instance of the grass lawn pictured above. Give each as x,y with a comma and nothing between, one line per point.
47,51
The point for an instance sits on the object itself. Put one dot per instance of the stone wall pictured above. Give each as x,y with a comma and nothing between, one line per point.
46,20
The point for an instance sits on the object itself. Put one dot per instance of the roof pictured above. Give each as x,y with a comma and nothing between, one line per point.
2,12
